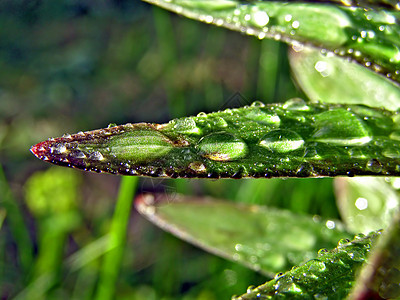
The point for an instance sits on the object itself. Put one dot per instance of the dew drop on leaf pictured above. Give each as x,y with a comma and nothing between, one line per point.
343,242
139,145
317,266
257,104
391,152
322,251
297,104
258,115
78,155
341,127
282,141
187,126
197,166
260,18
374,166
222,147
59,148
96,155
359,236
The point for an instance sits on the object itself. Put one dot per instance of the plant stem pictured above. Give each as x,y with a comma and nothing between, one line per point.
117,237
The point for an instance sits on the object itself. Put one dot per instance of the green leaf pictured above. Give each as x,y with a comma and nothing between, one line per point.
331,79
366,203
265,239
290,139
380,278
370,37
330,276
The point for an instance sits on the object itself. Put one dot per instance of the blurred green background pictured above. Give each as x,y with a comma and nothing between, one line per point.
73,65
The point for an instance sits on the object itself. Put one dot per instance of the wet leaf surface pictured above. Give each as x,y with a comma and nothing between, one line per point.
329,276
380,278
293,139
370,37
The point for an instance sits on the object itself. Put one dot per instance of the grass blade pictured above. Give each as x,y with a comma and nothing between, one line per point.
293,139
117,237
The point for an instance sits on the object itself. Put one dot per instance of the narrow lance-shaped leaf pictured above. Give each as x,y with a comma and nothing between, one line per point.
290,139
330,276
268,240
370,37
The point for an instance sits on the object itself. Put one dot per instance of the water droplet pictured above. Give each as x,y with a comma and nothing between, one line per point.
340,127
257,104
111,125
251,288
58,149
208,19
139,145
201,115
78,155
220,122
282,141
278,275
259,115
361,203
222,147
67,136
186,125
374,166
330,224
260,18
317,265
296,104
343,242
359,236
323,68
296,24
197,166
322,251
391,152
96,155
286,285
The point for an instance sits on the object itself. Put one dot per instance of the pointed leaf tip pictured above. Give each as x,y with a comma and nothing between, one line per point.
292,139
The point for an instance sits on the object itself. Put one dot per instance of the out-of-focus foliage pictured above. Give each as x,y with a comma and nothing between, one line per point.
75,65
268,240
331,79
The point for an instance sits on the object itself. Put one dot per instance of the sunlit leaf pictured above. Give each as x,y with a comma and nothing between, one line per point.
330,276
331,79
266,239
366,203
291,139
380,278
370,37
